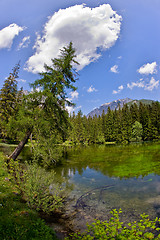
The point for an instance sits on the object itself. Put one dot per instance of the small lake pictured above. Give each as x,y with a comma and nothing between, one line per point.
103,177
110,176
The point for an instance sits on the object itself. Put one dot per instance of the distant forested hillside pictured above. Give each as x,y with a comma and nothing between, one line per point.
136,121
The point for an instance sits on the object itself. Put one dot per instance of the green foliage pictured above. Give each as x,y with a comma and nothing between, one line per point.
10,99
17,221
137,132
43,110
46,152
129,124
37,186
40,189
115,229
18,228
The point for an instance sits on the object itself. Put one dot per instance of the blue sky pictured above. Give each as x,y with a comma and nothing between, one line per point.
117,44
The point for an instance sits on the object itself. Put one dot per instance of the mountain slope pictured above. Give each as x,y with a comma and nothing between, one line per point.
115,105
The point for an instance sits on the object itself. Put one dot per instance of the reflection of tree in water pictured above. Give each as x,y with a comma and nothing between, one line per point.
114,161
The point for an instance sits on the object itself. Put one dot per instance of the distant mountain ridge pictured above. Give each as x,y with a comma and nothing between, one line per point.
115,104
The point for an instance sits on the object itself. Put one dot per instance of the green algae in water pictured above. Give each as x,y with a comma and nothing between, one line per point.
133,170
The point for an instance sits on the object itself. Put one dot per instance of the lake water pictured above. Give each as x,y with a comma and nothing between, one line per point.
107,177
103,177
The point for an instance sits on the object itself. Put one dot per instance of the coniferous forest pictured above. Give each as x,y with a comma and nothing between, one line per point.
127,124
131,123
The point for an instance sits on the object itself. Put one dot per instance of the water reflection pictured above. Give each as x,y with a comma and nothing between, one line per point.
132,170
114,161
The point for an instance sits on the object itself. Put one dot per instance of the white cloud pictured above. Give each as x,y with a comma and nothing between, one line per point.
74,95
120,57
21,80
139,84
70,109
25,42
114,69
146,85
120,88
149,68
91,89
88,28
152,84
7,35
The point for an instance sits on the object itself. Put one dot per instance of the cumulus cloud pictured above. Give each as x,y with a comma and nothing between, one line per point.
91,89
8,34
120,88
25,42
114,69
73,95
149,68
146,85
21,80
90,29
70,109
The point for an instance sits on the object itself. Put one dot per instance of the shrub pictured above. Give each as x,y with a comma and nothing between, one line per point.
37,186
115,229
17,221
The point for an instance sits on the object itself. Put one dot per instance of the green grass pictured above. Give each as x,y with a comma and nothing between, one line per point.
17,221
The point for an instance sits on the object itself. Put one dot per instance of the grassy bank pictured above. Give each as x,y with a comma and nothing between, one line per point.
17,221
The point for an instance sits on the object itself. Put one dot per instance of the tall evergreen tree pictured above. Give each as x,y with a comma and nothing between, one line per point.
134,113
137,130
117,131
108,130
44,112
145,121
79,128
154,113
9,98
126,123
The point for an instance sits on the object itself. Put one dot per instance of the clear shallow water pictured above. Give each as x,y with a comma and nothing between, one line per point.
106,177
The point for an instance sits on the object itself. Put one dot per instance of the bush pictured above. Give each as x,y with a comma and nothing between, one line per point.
37,186
17,221
115,229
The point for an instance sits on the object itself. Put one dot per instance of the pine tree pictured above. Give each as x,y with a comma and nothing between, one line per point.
126,124
9,98
43,113
117,131
137,131
154,113
134,113
108,131
145,121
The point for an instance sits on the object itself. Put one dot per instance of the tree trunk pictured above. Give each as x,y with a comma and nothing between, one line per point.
20,146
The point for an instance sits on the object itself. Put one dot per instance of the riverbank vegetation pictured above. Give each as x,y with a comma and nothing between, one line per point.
17,220
116,230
